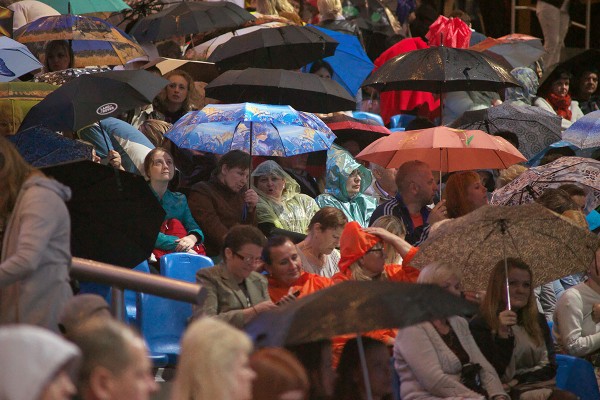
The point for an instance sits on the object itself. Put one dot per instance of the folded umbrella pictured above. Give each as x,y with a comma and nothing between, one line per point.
306,92
15,60
115,217
42,147
551,245
354,307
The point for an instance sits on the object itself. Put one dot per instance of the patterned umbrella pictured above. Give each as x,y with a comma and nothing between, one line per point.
584,172
551,245
258,129
93,40
59,78
585,132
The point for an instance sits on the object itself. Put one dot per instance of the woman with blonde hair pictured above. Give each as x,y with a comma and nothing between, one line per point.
393,225
440,359
178,97
214,363
464,193
35,237
332,18
516,339
154,130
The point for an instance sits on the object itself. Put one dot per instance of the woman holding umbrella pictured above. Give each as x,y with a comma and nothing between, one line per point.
515,338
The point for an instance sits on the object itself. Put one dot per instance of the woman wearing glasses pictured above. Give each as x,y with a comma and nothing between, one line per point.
235,292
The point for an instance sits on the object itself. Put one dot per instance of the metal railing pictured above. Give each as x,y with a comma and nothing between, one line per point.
121,278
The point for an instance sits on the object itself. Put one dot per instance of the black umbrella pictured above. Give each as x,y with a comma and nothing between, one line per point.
306,92
441,69
535,128
90,98
42,147
287,47
189,18
578,64
115,217
354,307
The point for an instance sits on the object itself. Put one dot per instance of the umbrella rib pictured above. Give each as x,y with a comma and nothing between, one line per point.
280,139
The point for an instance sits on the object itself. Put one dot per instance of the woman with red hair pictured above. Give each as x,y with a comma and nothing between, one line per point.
464,193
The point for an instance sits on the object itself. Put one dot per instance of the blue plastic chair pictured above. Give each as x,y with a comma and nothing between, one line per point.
577,376
401,120
367,115
183,266
397,129
131,297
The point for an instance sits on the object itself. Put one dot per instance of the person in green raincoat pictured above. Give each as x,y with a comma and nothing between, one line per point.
345,184
281,206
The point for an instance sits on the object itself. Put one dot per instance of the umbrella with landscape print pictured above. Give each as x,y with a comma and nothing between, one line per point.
86,6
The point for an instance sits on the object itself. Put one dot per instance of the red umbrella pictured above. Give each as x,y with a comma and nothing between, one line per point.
443,149
364,131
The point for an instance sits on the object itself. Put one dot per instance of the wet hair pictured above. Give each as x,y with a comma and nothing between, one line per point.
234,159
328,218
556,200
277,371
149,157
455,193
274,241
495,301
241,235
317,65
54,45
14,171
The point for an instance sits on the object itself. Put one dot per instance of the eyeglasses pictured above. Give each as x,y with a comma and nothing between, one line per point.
376,250
248,259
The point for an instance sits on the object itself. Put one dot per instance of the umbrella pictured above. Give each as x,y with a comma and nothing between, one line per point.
364,131
287,47
306,92
444,149
584,172
189,18
585,132
551,245
61,77
352,307
15,60
518,49
93,40
42,147
17,98
441,69
86,6
115,217
90,98
258,129
534,127
200,71
350,64
535,160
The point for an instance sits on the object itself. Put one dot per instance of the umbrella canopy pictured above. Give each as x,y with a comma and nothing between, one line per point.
583,172
352,307
200,71
534,127
17,98
441,69
188,18
364,131
286,47
86,6
42,147
350,63
551,245
15,60
61,77
115,217
585,132
444,149
93,40
518,49
306,92
258,129
93,97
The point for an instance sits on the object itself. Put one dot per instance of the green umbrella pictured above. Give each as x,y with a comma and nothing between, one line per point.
86,6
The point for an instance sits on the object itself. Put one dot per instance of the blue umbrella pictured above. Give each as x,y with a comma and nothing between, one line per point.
350,63
42,147
258,129
585,132
535,160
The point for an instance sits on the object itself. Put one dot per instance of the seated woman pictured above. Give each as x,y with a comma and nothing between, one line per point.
224,201
464,193
58,55
560,99
395,226
318,252
281,206
236,293
350,384
184,232
516,340
431,357
177,98
346,183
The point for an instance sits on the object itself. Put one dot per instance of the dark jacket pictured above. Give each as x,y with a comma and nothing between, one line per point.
397,208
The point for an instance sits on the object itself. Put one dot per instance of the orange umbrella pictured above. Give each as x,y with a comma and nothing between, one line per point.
444,149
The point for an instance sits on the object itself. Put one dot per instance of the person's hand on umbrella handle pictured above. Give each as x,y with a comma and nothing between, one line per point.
596,313
186,243
114,160
507,319
496,102
251,198
437,213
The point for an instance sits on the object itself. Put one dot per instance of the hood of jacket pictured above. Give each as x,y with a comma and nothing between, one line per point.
340,164
270,167
354,243
30,358
64,192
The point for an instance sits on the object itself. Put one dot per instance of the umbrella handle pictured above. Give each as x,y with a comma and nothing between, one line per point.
363,364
